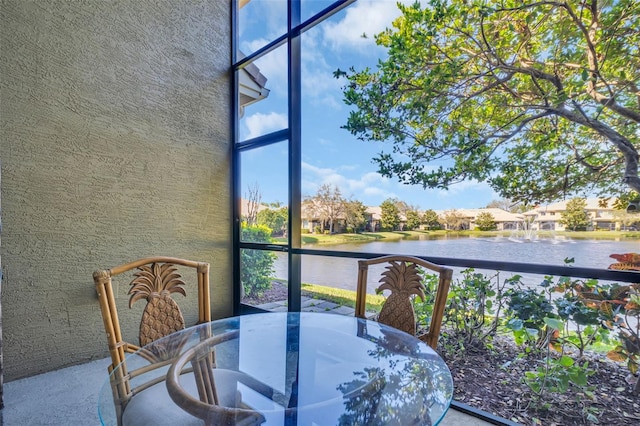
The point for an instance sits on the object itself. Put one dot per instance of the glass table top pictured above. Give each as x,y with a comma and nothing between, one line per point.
321,369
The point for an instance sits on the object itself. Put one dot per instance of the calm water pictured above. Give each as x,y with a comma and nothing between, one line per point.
342,273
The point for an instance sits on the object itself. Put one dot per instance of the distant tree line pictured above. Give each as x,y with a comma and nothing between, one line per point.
335,213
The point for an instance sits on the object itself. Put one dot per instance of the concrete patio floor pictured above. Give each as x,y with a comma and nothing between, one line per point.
69,396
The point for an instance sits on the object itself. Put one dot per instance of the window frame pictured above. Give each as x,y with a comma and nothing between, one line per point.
292,134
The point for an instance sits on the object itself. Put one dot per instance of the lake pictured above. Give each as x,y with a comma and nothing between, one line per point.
342,273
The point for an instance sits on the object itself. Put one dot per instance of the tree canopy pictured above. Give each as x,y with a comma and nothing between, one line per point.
455,220
327,205
275,219
431,219
389,215
575,217
486,221
540,99
355,216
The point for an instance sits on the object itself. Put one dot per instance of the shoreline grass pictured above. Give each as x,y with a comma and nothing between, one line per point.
367,237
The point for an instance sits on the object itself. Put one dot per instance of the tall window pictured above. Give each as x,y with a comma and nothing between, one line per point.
267,158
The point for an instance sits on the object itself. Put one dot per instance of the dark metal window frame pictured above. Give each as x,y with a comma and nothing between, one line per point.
292,135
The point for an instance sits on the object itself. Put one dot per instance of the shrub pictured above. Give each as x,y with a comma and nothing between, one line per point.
256,265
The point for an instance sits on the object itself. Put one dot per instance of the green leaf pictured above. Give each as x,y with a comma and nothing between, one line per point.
556,324
579,378
566,361
441,95
585,75
515,324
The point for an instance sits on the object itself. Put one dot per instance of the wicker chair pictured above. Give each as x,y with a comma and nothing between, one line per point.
403,279
220,401
153,279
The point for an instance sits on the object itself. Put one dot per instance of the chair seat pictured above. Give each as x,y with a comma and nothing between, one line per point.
154,406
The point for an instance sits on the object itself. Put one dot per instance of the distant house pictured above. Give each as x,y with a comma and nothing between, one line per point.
374,219
504,220
311,220
547,217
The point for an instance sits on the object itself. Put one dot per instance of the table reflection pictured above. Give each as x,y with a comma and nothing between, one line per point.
318,369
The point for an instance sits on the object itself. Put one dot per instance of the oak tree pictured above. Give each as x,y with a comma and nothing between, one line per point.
540,99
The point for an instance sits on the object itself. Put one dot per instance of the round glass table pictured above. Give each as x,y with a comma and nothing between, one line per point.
280,369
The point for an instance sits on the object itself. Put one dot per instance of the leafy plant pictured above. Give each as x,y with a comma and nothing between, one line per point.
527,309
572,309
424,308
474,306
256,265
558,374
473,313
619,309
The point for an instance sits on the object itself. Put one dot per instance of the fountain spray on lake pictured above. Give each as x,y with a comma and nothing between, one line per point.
527,232
524,232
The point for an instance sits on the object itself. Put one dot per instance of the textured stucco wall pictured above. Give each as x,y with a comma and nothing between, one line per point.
115,145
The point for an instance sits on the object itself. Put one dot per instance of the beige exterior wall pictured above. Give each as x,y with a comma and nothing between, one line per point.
115,144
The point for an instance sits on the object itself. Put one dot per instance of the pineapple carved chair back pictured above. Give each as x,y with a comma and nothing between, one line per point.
403,279
155,279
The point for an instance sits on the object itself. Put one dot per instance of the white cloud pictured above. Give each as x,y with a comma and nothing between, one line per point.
370,188
368,17
267,18
260,124
318,85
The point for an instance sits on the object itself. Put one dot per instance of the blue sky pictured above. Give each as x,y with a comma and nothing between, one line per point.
331,155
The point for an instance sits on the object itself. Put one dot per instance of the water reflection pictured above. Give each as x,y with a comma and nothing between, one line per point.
343,272
410,387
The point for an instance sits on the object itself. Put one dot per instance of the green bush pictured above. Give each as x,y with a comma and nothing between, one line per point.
256,268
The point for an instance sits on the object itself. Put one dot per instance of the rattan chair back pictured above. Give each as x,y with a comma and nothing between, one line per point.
403,279
154,279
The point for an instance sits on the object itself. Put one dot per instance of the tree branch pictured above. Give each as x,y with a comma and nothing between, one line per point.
627,149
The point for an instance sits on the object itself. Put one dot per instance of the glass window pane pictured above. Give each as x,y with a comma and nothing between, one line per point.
309,8
329,283
262,95
332,158
259,23
262,273
264,193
